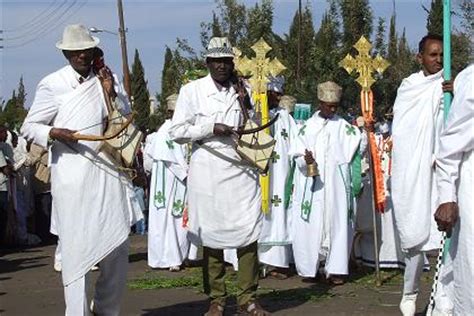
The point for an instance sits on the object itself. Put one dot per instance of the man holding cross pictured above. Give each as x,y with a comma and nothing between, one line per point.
224,199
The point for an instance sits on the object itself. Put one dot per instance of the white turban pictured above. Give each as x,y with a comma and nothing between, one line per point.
276,84
329,92
288,102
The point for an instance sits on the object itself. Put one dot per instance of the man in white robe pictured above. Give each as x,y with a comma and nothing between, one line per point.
168,244
224,200
454,177
275,242
91,205
322,211
418,117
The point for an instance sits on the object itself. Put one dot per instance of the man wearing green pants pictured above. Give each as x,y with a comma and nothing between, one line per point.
224,199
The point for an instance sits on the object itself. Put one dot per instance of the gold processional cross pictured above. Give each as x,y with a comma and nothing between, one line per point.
365,65
260,68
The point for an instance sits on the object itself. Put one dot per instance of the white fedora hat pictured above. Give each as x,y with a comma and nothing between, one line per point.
219,47
77,37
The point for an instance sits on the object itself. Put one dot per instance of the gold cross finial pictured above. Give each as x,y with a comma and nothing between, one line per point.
259,67
364,64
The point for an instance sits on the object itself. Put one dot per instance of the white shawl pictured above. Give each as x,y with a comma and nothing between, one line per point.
416,111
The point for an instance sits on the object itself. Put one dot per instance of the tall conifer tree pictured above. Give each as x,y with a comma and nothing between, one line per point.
141,96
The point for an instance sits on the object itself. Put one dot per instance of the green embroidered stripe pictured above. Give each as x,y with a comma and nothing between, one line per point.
289,184
356,173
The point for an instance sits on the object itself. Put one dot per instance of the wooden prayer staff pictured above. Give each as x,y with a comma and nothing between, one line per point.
445,241
260,68
365,66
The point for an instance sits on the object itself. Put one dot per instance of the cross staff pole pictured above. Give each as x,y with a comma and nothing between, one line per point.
445,241
260,68
365,65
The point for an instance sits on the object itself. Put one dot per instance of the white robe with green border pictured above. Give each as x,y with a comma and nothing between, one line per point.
168,245
322,220
275,238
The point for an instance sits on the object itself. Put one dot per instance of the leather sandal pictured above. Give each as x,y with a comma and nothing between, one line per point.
253,309
215,309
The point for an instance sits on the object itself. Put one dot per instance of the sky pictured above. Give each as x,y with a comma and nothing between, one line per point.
32,28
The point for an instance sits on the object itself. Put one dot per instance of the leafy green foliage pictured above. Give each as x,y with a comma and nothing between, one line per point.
13,113
141,96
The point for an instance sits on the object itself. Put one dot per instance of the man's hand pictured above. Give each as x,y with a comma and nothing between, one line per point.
7,170
446,216
448,86
223,130
105,76
62,134
308,157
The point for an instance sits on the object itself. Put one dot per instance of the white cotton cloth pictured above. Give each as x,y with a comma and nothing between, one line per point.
224,199
168,245
455,172
91,202
417,120
275,238
325,234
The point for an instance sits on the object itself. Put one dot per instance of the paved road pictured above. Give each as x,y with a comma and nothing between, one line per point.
30,286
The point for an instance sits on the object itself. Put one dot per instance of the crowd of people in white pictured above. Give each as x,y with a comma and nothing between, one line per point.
316,223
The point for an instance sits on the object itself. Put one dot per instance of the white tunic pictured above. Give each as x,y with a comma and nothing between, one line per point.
224,199
275,239
168,244
417,119
322,225
455,172
91,199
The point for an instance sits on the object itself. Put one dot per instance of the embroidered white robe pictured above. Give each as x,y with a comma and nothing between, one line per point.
275,238
91,198
168,244
322,226
224,199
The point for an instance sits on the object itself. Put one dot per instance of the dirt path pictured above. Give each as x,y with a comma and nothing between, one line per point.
30,286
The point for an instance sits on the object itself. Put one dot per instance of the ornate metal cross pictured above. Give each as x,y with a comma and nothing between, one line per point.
259,67
364,64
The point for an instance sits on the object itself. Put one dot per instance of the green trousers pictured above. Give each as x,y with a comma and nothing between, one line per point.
214,274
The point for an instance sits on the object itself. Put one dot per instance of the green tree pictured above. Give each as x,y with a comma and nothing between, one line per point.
141,96
260,22
290,52
434,21
467,15
392,49
379,46
326,54
169,84
357,21
356,18
21,98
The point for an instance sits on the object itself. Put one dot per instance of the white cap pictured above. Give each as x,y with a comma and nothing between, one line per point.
219,47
